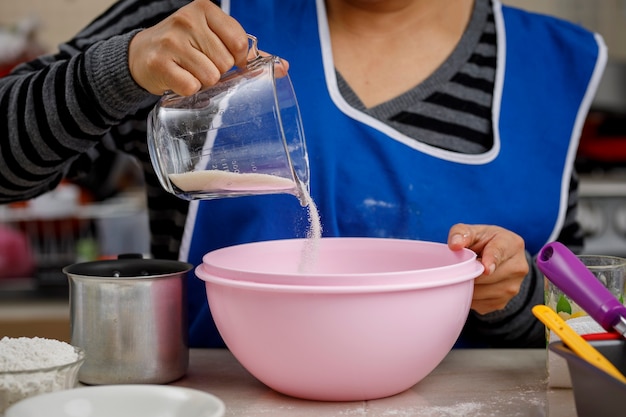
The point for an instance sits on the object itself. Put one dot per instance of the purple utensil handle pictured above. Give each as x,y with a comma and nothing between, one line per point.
571,276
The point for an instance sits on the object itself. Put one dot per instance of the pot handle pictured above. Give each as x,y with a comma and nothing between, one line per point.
130,256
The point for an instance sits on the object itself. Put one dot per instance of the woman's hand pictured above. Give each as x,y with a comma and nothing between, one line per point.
503,255
188,50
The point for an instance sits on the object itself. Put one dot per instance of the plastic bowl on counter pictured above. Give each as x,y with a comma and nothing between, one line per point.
132,400
596,393
20,383
369,318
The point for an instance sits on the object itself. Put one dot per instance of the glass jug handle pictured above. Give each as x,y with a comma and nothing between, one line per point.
257,59
253,46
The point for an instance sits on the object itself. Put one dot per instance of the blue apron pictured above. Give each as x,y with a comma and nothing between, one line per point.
370,180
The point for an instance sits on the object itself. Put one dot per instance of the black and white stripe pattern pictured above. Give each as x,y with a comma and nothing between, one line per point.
451,109
58,112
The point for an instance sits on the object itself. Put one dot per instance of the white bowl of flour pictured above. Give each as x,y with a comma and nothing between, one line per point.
33,366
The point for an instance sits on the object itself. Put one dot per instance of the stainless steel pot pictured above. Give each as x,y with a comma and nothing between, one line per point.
130,317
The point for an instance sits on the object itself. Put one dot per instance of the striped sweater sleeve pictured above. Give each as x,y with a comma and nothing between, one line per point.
60,108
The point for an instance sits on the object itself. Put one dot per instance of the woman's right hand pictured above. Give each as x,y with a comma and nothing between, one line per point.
188,50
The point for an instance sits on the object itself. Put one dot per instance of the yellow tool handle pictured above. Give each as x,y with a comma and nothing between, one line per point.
575,342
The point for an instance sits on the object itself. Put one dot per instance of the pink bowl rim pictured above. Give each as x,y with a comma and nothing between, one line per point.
468,269
338,289
462,266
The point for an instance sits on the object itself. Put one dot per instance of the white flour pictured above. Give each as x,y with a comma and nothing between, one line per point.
221,181
215,181
313,236
29,354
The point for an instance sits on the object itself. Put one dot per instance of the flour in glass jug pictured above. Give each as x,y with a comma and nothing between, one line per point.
217,180
214,180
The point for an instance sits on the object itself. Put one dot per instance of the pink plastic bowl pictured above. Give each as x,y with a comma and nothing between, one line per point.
373,318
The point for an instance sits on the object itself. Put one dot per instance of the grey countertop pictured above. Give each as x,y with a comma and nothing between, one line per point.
474,383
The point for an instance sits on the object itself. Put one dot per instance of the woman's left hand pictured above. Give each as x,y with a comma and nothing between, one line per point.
503,255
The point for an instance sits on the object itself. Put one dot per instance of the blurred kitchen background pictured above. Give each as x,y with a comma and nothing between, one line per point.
103,217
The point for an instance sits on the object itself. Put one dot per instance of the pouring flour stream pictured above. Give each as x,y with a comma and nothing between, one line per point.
224,181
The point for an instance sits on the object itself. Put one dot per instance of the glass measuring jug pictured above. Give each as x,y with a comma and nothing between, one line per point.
242,136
